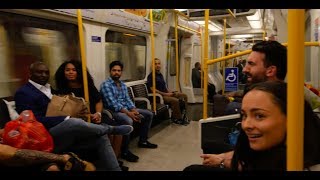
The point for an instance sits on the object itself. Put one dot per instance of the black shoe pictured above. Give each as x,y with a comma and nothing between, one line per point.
120,163
124,168
129,157
177,121
147,144
180,122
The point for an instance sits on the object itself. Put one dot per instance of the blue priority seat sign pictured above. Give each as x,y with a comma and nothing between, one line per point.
231,79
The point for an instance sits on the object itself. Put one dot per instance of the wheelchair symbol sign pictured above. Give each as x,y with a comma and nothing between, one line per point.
231,79
232,76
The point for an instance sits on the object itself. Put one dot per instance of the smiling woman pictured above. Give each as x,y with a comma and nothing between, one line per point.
262,140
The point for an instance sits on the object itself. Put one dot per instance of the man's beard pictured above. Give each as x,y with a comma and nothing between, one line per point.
255,80
115,78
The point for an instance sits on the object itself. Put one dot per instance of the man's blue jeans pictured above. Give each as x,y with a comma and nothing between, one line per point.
123,119
76,134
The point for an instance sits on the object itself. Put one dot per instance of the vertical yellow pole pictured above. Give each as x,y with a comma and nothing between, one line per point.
224,52
264,36
83,58
202,64
177,57
205,66
153,65
229,50
295,102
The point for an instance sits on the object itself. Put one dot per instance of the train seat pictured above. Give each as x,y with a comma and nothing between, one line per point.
214,133
140,92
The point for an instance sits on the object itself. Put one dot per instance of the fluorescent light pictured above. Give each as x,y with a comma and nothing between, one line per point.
242,36
255,24
212,26
181,9
255,17
200,22
238,40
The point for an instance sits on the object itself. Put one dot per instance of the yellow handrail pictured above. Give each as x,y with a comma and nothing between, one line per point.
211,61
187,28
231,13
177,57
181,14
83,59
295,100
224,52
153,65
205,66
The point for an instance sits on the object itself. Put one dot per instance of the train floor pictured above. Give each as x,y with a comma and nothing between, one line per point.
178,145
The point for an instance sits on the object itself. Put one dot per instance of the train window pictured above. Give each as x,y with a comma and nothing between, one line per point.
131,50
24,40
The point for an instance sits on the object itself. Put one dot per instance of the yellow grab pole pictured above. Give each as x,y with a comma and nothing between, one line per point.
211,61
187,28
83,58
264,35
224,52
231,13
229,50
177,58
295,102
205,66
181,14
153,65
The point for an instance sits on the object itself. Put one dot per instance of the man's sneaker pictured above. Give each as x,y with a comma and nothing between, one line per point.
129,157
147,144
121,130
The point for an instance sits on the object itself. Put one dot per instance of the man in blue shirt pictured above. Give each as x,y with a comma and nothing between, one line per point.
169,97
115,97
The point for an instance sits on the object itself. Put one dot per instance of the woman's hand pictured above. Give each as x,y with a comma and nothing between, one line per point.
212,159
96,117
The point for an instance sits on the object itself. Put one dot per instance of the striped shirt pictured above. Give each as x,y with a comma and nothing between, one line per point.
115,98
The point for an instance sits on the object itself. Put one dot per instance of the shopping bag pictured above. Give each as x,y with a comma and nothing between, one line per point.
27,133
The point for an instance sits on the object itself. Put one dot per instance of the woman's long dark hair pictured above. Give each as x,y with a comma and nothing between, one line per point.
61,80
275,158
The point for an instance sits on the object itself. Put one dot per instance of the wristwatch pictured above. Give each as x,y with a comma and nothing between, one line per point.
222,165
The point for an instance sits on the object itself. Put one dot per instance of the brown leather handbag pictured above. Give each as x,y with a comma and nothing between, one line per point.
68,105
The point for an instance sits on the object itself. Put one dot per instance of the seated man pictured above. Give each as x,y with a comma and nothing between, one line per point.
266,62
196,81
115,97
69,134
169,97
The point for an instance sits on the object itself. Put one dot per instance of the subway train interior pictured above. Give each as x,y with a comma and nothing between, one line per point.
177,37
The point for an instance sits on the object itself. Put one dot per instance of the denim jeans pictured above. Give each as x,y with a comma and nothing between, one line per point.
124,119
73,134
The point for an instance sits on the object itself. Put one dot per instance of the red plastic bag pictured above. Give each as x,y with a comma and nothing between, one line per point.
27,133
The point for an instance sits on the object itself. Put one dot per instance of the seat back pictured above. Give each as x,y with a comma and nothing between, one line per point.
130,93
214,133
140,90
